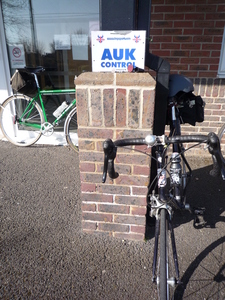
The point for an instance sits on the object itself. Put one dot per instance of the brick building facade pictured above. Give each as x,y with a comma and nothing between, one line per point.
189,33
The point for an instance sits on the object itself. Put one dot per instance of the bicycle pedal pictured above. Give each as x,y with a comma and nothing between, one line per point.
199,221
198,211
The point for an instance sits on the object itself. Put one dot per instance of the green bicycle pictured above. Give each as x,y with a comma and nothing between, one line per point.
23,120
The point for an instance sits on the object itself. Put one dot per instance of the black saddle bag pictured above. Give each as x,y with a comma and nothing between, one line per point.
191,108
24,83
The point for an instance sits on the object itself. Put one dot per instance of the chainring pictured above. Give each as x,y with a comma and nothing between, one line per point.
47,129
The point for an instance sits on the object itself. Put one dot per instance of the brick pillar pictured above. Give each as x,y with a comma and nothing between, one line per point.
114,105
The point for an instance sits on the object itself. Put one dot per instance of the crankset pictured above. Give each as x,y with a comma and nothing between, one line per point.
47,129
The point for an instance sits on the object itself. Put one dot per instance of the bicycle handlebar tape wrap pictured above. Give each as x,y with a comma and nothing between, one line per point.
114,106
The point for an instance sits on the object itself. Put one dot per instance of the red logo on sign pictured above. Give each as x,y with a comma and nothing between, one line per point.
137,39
16,52
100,39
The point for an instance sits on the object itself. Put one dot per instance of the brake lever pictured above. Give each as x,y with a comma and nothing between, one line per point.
110,154
215,172
105,168
215,150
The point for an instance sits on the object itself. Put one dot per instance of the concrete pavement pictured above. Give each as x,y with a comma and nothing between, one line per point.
45,255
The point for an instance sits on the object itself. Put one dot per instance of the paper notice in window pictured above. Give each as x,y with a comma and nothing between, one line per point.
80,46
62,42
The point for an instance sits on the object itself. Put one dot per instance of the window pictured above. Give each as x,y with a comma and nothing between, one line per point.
221,71
54,34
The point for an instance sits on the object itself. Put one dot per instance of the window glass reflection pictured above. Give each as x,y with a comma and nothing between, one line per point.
51,33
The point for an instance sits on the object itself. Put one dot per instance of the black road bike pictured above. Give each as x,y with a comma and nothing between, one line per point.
167,191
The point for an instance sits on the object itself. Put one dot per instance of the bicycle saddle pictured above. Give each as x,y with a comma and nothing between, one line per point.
179,83
34,70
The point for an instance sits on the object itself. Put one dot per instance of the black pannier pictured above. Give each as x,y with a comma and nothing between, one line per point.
191,108
24,83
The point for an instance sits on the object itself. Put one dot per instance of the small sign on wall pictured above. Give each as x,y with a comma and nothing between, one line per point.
17,56
116,50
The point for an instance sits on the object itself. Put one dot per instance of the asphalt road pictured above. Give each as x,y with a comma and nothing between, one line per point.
45,255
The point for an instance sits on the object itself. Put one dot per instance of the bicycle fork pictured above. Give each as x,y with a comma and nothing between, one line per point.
159,202
173,280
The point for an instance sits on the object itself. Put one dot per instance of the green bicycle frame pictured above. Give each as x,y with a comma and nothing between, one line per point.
39,94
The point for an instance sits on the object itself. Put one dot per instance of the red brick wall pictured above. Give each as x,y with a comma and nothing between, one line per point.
114,106
188,33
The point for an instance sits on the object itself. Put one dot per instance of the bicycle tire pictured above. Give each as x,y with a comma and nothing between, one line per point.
163,268
16,132
70,129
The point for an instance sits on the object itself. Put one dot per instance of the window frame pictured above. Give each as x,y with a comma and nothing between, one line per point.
221,70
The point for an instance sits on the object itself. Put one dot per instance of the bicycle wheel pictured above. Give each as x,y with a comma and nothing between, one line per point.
70,129
204,277
166,280
163,268
20,120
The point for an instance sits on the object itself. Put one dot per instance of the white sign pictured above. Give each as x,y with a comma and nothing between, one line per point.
116,50
17,56
62,42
